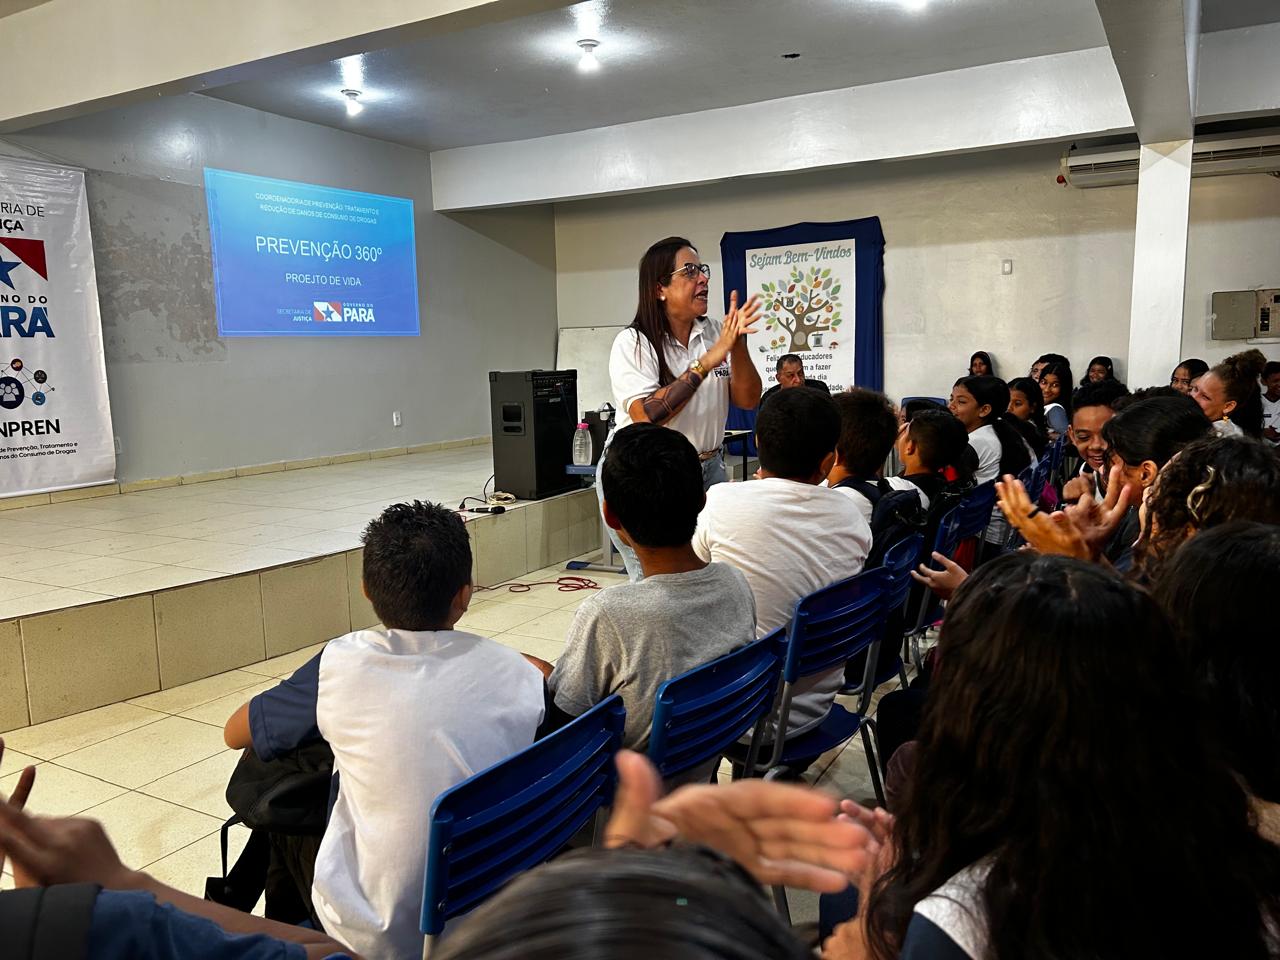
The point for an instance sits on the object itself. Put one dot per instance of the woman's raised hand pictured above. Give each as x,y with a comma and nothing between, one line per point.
738,322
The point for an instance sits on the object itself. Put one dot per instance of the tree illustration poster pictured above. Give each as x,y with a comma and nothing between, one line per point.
821,288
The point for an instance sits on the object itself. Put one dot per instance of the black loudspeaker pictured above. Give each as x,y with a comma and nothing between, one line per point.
534,415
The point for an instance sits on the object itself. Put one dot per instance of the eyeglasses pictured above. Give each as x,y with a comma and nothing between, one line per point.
691,271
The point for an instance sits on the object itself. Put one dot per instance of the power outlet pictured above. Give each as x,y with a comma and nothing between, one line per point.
396,420
119,445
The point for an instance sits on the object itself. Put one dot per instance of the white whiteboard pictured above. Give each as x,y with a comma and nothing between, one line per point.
586,349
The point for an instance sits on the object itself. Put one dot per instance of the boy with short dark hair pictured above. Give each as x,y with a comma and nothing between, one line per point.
788,535
633,637
868,428
929,443
409,710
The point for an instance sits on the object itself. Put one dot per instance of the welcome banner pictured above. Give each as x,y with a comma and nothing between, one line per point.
55,418
822,289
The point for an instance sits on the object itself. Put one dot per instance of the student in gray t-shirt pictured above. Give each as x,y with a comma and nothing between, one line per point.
631,638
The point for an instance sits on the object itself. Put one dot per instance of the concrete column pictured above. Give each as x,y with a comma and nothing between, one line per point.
1159,262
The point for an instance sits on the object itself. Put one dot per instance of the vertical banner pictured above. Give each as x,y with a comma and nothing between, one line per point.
822,289
55,419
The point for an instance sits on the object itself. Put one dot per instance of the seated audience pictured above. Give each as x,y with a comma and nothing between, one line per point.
1229,394
868,429
980,365
1142,438
917,405
74,896
1092,407
981,405
1099,369
631,638
1187,373
1043,361
1217,593
1064,833
1026,404
929,444
1055,386
785,532
1212,481
789,372
409,710
1271,403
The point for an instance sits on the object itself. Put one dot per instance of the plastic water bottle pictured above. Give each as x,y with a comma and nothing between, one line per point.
582,446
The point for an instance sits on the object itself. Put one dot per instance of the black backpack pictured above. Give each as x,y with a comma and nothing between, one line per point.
48,923
285,803
895,515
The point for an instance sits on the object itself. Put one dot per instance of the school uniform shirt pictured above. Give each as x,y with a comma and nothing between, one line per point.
789,539
895,483
408,715
1271,416
949,924
633,372
986,444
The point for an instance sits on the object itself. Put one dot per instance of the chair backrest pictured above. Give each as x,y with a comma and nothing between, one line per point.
899,560
1055,454
938,400
833,624
518,813
973,513
702,712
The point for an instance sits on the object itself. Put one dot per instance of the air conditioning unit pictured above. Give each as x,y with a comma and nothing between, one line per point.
1215,156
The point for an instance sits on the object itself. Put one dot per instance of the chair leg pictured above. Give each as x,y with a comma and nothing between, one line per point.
902,675
873,763
780,901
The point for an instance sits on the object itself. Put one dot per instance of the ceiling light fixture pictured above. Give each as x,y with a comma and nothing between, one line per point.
354,106
588,63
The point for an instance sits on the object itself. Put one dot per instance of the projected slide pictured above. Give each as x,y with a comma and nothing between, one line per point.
294,259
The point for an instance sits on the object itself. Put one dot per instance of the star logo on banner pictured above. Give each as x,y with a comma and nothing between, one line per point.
6,268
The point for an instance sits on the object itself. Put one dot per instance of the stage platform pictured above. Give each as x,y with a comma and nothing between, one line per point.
106,599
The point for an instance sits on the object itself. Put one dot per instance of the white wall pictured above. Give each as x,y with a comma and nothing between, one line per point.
186,401
948,222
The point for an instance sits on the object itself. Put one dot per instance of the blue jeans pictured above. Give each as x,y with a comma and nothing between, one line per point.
712,473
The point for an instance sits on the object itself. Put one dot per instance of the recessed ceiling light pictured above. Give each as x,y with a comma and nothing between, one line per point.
354,106
588,63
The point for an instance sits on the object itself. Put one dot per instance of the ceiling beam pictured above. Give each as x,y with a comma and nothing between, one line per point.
1155,45
1041,99
112,54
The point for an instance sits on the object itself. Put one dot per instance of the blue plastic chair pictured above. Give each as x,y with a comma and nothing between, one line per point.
518,813
973,513
829,627
706,710
899,560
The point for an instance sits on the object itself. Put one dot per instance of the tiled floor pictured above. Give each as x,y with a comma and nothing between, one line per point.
65,554
154,770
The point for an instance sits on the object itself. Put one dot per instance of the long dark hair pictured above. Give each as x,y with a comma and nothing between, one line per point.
679,903
651,318
1212,481
1038,434
1217,593
1239,374
1045,763
985,358
1061,370
994,391
1099,361
1155,429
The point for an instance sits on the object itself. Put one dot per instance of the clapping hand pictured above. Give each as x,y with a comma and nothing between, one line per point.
1046,532
780,833
738,323
18,799
1098,522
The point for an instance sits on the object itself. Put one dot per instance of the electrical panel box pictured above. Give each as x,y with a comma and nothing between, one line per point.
1246,315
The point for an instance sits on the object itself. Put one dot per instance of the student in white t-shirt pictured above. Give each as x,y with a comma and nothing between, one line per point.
787,534
1271,403
980,403
677,367
409,710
